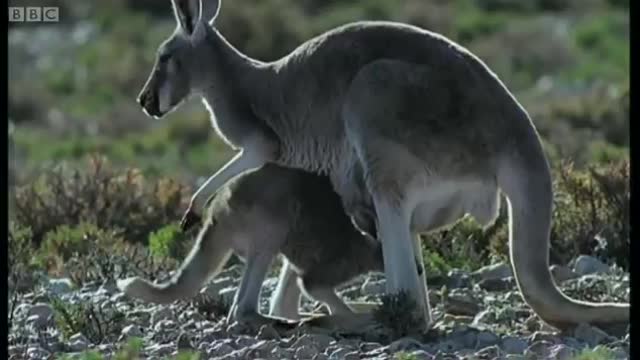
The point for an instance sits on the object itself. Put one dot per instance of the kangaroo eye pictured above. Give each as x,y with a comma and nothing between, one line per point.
164,58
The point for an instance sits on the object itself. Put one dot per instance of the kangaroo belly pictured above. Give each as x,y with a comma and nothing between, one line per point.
442,205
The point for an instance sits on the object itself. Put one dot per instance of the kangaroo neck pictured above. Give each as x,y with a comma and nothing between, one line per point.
233,76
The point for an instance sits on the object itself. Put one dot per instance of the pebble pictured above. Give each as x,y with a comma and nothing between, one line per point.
586,265
306,351
590,334
495,271
513,345
404,344
471,333
60,286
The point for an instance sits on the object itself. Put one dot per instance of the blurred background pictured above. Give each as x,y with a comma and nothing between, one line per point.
72,105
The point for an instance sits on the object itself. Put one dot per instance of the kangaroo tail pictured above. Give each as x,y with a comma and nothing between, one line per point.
206,259
525,178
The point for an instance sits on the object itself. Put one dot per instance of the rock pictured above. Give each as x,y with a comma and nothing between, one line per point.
60,286
365,347
220,349
267,332
306,352
37,352
490,352
458,279
183,342
40,315
214,287
590,334
373,287
513,345
496,271
466,337
132,331
585,265
420,355
484,317
320,356
244,341
237,328
532,323
461,305
78,342
160,350
448,346
538,350
161,313
562,273
485,339
404,344
543,336
497,284
227,294
561,352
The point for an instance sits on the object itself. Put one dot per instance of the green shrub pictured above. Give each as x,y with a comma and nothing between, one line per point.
164,243
97,323
121,201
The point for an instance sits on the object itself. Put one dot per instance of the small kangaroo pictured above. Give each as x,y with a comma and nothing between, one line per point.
431,130
258,215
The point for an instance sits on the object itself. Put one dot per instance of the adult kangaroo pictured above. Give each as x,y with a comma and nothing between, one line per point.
408,125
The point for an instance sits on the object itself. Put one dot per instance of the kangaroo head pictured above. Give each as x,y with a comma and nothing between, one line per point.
175,71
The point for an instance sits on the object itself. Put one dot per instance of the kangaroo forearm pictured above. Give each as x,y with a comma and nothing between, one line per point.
240,163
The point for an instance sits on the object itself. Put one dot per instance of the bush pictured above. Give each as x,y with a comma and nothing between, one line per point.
121,201
590,216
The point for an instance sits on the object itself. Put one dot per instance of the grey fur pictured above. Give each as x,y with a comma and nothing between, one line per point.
432,130
257,216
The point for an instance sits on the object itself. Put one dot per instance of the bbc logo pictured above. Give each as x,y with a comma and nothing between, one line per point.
33,14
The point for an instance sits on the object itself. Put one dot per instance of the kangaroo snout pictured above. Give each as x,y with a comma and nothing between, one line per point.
149,103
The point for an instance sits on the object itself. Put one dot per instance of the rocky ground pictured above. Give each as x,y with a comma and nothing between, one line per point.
477,315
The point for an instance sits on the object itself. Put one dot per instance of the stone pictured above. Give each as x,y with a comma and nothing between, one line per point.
220,349
513,345
457,278
496,271
40,315
590,334
586,265
561,352
78,342
267,332
503,284
60,286
461,305
562,273
485,339
404,344
183,342
161,313
132,331
373,287
37,352
306,352
420,355
214,287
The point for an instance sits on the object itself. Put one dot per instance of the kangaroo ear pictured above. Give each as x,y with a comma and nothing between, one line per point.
210,10
187,13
